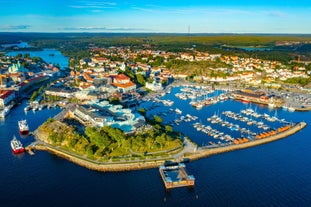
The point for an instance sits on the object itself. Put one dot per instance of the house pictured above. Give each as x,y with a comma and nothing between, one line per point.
154,86
61,92
123,83
187,56
86,95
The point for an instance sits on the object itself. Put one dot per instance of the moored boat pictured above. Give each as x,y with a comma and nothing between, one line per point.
245,100
27,108
5,111
291,109
16,146
23,127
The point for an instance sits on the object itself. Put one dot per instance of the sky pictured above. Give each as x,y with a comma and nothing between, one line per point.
157,16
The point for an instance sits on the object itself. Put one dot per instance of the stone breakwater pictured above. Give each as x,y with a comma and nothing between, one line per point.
101,166
200,153
139,165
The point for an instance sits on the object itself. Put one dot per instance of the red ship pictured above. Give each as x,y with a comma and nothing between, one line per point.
16,146
23,127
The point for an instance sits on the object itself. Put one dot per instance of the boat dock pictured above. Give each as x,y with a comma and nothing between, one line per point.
175,176
29,150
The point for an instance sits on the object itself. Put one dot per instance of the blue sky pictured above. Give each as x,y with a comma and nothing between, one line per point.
170,16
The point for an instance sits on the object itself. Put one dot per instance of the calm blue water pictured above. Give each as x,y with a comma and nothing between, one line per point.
274,174
20,45
45,54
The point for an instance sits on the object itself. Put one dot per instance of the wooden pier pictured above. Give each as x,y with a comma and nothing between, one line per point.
175,176
29,150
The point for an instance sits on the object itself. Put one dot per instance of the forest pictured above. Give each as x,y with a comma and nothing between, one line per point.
76,45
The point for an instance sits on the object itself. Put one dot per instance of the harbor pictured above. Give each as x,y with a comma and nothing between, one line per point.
280,159
214,125
221,132
184,117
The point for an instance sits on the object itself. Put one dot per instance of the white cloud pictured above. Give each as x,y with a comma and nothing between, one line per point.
93,5
100,28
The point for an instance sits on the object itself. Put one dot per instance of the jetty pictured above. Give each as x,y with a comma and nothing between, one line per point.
205,152
29,150
175,176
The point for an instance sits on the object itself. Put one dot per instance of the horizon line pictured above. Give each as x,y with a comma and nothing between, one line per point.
179,33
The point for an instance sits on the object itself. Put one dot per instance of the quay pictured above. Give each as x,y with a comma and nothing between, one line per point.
257,97
175,176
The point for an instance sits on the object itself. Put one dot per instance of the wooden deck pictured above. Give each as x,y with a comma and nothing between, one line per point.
175,176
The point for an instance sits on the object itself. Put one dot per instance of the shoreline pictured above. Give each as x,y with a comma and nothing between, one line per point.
198,154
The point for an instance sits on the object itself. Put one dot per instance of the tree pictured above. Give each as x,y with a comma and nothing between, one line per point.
150,80
41,89
36,59
157,119
114,100
34,96
142,111
89,151
26,55
161,140
84,66
140,79
168,128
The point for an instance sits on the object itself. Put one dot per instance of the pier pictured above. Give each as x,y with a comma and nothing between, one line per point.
205,152
175,176
29,150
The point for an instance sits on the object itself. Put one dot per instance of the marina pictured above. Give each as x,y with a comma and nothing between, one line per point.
215,125
188,116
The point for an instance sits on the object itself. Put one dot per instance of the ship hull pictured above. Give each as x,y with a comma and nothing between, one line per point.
25,132
244,100
17,151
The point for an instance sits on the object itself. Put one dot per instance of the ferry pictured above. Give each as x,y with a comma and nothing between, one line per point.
5,111
23,127
291,109
16,146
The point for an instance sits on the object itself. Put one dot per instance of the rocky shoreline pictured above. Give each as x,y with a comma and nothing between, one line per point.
139,165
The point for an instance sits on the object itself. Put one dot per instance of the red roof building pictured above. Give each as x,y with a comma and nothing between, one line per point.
123,83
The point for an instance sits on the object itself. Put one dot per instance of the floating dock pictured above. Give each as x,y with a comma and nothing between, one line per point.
175,176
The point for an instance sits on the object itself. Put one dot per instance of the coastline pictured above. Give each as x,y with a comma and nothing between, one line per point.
198,154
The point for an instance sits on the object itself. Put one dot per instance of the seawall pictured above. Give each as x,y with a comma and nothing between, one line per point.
138,165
